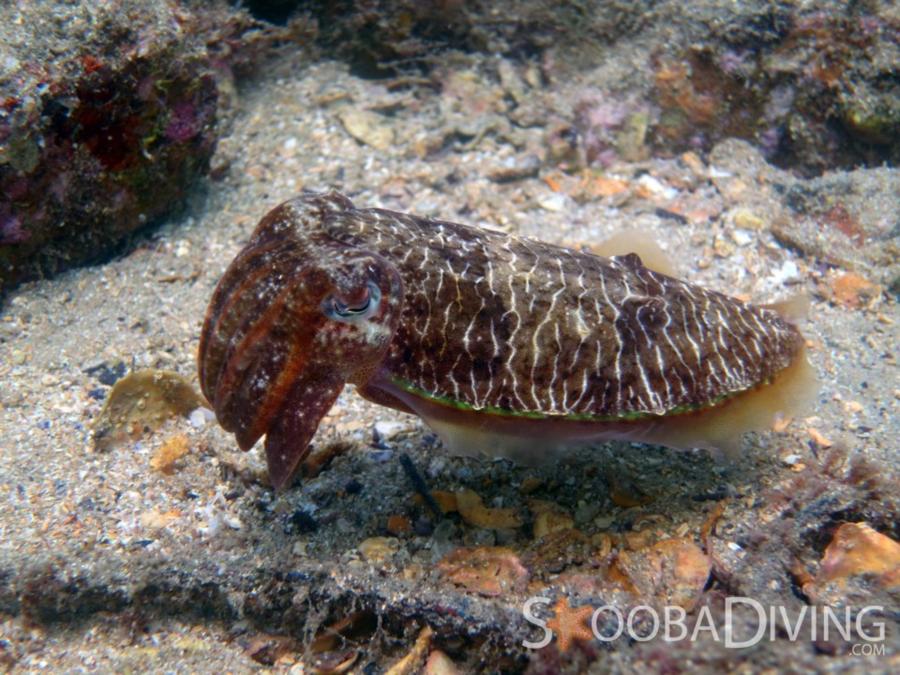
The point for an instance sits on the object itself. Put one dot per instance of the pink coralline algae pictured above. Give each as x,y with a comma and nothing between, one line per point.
184,122
11,231
599,124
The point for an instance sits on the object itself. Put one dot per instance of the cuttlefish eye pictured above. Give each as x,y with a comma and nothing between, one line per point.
356,309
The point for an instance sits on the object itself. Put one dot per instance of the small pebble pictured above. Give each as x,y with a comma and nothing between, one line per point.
530,484
436,467
398,524
548,522
480,537
381,456
385,430
516,168
722,248
747,220
200,416
853,407
741,237
786,272
441,538
11,398
423,527
367,127
553,202
604,522
586,513
232,521
655,187
378,549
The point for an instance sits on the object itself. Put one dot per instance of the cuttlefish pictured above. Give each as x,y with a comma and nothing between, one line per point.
500,343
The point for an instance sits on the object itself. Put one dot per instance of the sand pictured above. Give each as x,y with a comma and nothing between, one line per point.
107,564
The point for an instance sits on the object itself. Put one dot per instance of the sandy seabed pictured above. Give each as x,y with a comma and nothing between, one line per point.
109,565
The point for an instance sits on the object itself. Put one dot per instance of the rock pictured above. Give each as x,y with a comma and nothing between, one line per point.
378,549
511,82
398,525
551,521
673,571
556,551
552,202
475,513
746,220
413,661
858,549
516,168
173,449
385,430
854,291
631,139
586,512
446,501
439,663
530,484
846,219
200,417
858,566
105,125
805,111
154,520
489,570
367,127
141,401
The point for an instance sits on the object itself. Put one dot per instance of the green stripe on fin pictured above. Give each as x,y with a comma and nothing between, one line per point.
580,417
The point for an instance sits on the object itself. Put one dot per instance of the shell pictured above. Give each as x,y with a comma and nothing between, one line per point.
469,321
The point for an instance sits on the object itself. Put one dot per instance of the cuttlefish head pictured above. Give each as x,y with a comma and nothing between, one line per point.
295,317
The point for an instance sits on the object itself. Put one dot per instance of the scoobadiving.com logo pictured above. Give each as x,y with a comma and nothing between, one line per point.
862,627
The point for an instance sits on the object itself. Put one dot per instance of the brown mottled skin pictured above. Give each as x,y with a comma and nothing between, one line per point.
426,315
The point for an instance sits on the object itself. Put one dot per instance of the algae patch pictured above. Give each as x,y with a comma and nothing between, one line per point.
140,402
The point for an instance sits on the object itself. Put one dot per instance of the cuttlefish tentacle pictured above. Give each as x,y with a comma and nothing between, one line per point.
500,343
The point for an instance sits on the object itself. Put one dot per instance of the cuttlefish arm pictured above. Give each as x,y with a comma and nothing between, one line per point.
292,320
292,429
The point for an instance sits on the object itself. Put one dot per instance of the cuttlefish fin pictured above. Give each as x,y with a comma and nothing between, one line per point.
793,309
634,241
484,443
791,393
288,437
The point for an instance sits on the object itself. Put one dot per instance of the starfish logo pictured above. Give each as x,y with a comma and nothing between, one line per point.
569,624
